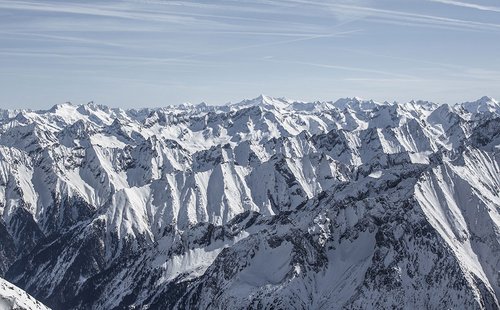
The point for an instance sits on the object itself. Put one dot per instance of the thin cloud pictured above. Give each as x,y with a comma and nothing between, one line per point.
50,37
137,12
109,18
468,5
343,68
384,80
274,43
109,59
216,40
96,11
408,18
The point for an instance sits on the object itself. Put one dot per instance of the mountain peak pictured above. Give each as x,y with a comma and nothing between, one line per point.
486,99
262,101
263,97
421,104
355,103
484,104
95,106
60,106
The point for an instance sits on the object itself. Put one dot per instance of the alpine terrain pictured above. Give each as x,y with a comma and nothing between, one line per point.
264,204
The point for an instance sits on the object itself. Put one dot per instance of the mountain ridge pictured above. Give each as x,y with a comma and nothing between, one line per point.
261,99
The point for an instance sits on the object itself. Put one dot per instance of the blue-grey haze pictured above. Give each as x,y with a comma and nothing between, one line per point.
136,53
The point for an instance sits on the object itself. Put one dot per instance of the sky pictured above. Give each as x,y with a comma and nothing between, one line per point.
153,53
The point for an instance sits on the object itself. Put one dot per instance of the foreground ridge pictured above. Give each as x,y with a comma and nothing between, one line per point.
12,297
266,203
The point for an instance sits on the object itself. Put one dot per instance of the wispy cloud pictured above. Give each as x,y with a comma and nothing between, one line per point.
51,37
343,68
143,11
92,10
384,80
202,43
401,17
261,45
168,17
105,59
468,5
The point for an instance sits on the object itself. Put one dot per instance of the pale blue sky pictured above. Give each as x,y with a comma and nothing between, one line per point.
157,52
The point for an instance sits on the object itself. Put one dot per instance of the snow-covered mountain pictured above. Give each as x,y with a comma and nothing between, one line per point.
267,203
12,297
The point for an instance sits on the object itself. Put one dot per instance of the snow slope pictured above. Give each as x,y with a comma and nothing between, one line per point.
12,297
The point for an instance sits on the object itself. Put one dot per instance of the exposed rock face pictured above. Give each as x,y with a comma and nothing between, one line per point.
267,204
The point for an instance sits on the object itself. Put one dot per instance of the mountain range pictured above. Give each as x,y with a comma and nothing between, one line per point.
268,203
